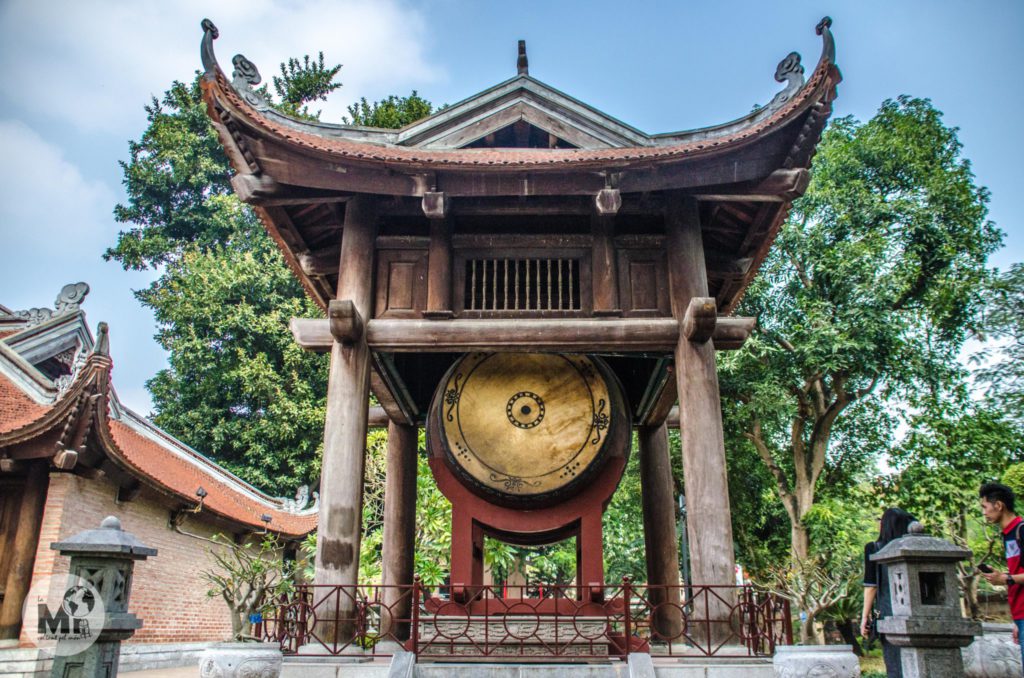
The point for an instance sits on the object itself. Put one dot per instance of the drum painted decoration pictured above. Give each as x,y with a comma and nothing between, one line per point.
529,428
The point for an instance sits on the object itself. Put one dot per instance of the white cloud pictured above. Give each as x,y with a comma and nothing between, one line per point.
94,64
46,205
54,225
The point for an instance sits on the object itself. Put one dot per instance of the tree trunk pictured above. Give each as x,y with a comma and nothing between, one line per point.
845,628
970,588
799,541
808,635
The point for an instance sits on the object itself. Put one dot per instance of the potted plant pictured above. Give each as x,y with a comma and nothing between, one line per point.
248,577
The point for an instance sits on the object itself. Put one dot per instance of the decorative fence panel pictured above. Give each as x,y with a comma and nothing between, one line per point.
547,622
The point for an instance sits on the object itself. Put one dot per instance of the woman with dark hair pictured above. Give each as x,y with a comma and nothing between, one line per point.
894,523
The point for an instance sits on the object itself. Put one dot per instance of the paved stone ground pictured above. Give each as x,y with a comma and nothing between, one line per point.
180,672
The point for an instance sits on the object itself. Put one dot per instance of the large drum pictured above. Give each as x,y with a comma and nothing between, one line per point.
528,429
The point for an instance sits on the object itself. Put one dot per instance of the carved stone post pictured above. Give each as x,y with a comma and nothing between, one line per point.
399,525
709,525
660,531
23,556
100,581
926,622
348,392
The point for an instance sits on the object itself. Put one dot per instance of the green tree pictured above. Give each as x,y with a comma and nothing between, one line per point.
866,296
236,386
1001,361
953,446
301,83
392,112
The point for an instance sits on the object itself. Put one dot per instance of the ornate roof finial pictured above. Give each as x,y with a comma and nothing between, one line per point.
210,33
828,46
791,72
243,78
522,65
70,298
102,345
67,302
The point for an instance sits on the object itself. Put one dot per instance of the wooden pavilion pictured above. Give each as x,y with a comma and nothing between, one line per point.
523,220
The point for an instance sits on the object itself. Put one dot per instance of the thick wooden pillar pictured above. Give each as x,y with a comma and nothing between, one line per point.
439,270
709,526
23,547
348,393
660,541
399,524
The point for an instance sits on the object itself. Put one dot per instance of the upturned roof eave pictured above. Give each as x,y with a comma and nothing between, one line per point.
228,104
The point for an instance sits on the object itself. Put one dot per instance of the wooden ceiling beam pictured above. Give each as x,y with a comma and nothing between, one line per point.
640,335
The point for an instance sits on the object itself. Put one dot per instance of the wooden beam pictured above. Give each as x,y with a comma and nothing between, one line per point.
672,420
782,185
663,401
378,418
635,335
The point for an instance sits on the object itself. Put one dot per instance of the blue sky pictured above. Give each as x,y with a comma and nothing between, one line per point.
77,74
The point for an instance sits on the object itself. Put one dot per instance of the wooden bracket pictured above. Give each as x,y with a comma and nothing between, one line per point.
608,201
700,319
65,460
435,204
320,262
346,323
252,188
8,465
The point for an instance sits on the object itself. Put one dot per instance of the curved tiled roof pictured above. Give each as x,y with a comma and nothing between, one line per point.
174,472
135,445
819,87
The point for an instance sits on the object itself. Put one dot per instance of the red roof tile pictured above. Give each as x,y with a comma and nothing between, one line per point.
534,159
16,408
182,476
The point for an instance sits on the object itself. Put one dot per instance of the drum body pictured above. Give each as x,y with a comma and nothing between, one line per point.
528,430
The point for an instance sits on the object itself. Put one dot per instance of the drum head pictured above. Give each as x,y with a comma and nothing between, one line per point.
527,425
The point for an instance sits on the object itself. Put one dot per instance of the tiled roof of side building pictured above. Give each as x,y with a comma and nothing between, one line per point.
173,472
17,409
134,444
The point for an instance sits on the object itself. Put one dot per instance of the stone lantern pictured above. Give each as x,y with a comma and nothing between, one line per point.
926,621
103,559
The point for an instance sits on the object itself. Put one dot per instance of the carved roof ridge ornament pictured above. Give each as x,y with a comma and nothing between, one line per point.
522,63
245,75
68,301
791,71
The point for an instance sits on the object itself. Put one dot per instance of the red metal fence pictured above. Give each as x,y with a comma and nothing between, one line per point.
562,622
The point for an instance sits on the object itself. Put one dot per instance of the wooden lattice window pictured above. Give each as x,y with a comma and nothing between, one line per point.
531,284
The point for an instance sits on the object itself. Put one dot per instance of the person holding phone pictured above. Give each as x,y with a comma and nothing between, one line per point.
997,505
893,524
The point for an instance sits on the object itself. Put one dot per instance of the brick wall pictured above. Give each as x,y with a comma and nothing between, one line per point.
167,592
